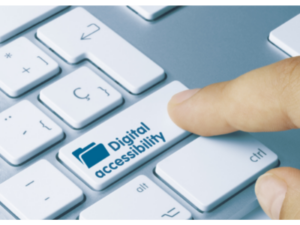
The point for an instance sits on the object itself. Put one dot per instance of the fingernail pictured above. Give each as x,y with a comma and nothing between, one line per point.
184,95
270,192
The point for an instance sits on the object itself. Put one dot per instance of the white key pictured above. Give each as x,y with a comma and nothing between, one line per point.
15,19
88,38
126,141
25,131
210,170
287,36
23,66
39,192
81,97
151,12
139,199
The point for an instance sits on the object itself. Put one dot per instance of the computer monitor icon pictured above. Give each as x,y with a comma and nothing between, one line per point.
91,156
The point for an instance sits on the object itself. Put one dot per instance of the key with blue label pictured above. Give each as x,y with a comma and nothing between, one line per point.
126,141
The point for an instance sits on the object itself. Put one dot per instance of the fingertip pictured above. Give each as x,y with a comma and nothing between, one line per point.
270,191
182,96
177,110
197,111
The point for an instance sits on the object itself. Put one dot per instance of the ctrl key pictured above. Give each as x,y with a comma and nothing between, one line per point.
140,199
210,170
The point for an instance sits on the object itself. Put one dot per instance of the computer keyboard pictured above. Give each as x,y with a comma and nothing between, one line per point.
84,127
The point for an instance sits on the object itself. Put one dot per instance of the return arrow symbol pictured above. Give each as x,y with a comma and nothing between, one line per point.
85,37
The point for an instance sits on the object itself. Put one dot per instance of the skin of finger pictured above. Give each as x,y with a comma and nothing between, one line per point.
265,99
270,191
291,204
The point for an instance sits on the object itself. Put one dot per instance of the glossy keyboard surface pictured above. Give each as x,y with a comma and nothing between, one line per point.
190,50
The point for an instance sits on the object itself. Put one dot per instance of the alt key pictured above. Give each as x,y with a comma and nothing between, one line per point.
139,199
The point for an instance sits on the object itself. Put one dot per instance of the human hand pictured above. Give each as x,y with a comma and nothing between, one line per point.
265,99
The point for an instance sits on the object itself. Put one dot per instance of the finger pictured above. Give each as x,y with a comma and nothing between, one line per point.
265,99
278,192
